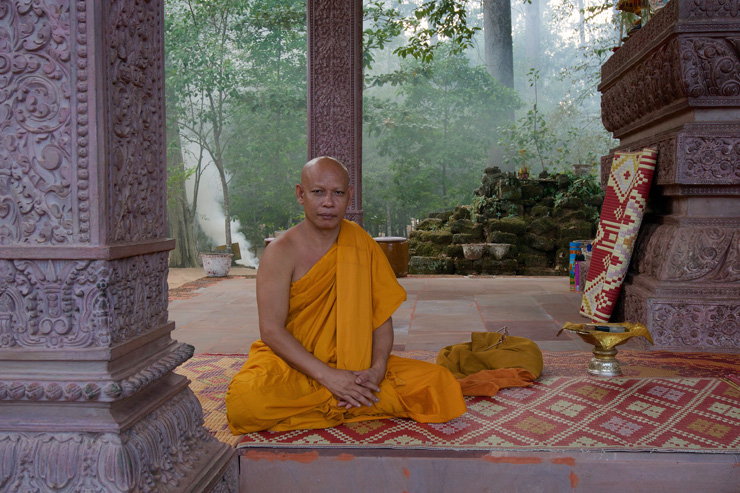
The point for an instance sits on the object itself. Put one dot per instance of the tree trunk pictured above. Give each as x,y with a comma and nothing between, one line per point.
497,40
179,219
582,22
499,55
532,22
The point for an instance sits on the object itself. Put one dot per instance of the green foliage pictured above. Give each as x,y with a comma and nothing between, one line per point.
432,138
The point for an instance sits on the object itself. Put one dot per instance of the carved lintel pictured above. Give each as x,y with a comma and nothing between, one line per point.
165,451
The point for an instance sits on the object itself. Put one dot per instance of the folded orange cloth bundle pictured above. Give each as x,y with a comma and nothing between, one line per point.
492,361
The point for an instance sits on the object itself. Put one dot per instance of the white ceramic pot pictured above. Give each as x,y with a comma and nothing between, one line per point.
473,251
498,250
216,264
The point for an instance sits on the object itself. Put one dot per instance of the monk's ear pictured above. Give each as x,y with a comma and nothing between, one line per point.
299,193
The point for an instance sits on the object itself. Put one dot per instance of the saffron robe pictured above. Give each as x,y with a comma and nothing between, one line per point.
333,312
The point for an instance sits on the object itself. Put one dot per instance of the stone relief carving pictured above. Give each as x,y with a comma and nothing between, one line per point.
702,253
101,390
652,85
713,8
660,22
75,304
710,67
136,121
156,454
335,114
710,159
38,201
707,325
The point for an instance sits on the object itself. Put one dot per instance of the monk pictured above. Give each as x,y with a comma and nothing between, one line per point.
325,296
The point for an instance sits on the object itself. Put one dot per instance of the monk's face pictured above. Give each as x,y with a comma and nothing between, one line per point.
324,193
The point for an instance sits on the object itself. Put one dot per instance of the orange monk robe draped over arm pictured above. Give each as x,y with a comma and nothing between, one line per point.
333,311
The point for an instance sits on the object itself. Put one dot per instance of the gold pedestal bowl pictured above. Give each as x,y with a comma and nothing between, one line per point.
605,337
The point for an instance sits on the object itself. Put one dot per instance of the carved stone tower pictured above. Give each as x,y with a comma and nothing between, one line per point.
88,400
335,88
675,85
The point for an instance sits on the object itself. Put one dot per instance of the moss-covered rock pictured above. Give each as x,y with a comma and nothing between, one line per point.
570,203
462,238
431,265
466,226
499,267
461,212
512,225
531,191
509,192
532,260
430,224
543,226
443,215
499,237
463,266
437,237
541,243
540,210
429,249
575,230
454,251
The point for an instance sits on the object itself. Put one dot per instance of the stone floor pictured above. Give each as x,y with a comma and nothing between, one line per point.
222,318
439,311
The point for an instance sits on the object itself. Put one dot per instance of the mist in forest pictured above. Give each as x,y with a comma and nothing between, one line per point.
210,213
432,122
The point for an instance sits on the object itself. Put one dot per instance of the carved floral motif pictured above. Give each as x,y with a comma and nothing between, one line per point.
713,8
37,198
710,67
159,453
136,120
706,326
710,159
75,304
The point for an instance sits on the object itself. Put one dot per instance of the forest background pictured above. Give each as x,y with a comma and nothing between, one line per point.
451,87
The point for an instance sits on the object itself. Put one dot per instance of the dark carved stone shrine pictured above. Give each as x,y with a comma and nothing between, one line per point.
675,85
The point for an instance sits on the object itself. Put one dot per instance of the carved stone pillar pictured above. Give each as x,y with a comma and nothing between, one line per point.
335,88
88,400
675,84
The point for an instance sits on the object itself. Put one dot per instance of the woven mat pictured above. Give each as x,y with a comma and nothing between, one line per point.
563,410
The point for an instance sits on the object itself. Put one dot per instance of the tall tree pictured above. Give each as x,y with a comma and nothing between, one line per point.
498,47
532,16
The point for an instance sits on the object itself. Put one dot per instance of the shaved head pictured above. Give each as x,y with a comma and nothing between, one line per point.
322,164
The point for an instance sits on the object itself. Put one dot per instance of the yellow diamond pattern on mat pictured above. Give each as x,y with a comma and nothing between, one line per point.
708,428
731,392
315,440
497,442
568,408
646,408
592,392
534,425
725,410
404,440
678,443
365,427
489,409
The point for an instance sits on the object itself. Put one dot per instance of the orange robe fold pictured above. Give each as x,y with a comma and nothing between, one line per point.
333,311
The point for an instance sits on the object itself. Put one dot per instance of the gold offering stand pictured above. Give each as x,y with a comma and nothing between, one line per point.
605,363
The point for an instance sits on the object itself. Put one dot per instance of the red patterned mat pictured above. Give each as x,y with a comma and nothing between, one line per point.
558,413
210,375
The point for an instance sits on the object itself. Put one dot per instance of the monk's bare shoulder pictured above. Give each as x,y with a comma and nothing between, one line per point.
278,261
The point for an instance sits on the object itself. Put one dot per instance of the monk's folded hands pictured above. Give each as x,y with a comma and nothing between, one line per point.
343,385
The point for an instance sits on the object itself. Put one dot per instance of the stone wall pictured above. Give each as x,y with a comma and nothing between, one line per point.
517,226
